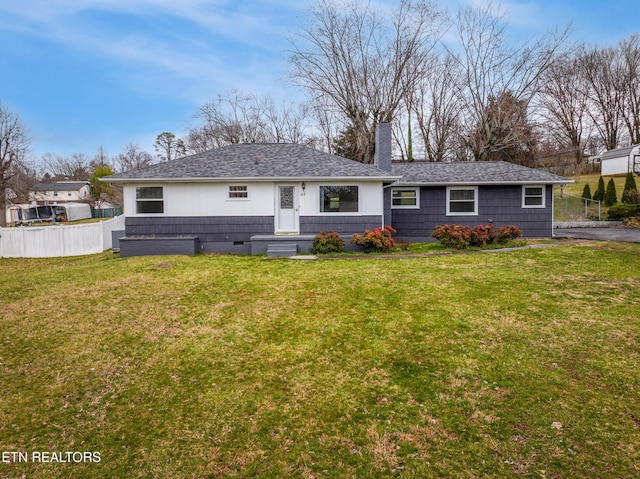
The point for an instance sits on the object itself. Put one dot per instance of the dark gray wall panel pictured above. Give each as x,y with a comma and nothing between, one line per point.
213,232
233,234
341,224
146,246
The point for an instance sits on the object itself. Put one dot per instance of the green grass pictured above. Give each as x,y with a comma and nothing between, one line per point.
508,364
569,206
592,180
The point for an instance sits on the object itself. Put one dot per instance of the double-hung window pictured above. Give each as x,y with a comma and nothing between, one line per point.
533,196
338,199
462,201
149,199
405,198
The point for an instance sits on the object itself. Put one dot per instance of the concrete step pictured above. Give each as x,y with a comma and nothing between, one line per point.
282,250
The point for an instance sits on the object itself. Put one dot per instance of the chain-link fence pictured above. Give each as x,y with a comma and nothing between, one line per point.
576,208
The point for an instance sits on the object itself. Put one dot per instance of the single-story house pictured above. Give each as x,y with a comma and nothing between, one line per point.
60,192
620,161
257,198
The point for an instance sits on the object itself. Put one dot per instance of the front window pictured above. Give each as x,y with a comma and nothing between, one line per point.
405,198
533,196
339,199
149,199
462,201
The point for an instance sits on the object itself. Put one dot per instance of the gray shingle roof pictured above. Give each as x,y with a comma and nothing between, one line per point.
260,161
269,161
61,186
618,153
472,173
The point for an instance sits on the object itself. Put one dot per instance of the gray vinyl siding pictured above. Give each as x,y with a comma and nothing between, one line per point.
220,234
500,205
342,224
145,246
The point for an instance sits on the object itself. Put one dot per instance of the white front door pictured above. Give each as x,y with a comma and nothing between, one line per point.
286,209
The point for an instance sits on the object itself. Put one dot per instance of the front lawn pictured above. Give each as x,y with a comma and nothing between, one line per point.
507,364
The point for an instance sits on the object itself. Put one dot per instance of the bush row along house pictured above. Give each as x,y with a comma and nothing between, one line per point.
250,198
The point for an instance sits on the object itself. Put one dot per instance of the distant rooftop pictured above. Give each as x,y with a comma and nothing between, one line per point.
61,185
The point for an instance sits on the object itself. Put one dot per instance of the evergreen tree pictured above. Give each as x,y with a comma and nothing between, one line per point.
629,185
599,194
610,195
100,190
586,192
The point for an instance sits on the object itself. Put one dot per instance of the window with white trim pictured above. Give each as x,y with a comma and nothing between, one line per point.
238,192
405,198
149,199
462,201
533,196
338,199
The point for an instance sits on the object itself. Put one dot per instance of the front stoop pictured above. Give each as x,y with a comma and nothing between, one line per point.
260,243
282,250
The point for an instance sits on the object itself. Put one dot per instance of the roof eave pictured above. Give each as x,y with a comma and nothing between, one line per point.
487,183
250,179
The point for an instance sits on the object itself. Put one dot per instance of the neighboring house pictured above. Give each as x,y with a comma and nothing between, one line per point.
61,192
620,161
256,198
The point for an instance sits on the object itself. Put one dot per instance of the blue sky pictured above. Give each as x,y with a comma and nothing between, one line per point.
85,73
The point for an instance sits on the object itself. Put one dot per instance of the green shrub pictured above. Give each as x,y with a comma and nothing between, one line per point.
377,241
586,192
631,197
610,195
629,187
621,211
599,194
327,242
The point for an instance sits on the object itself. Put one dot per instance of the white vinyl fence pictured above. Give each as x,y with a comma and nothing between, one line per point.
58,240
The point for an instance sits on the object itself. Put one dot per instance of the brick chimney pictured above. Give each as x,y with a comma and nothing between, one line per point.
383,147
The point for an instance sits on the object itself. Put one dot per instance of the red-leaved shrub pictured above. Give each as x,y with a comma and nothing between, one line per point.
377,241
461,236
508,233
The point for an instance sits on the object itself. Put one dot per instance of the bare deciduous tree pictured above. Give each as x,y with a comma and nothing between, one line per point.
14,145
133,158
284,122
630,52
493,65
232,118
74,167
246,118
564,102
437,107
363,64
604,73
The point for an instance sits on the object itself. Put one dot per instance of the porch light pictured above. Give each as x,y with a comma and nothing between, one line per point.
304,187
